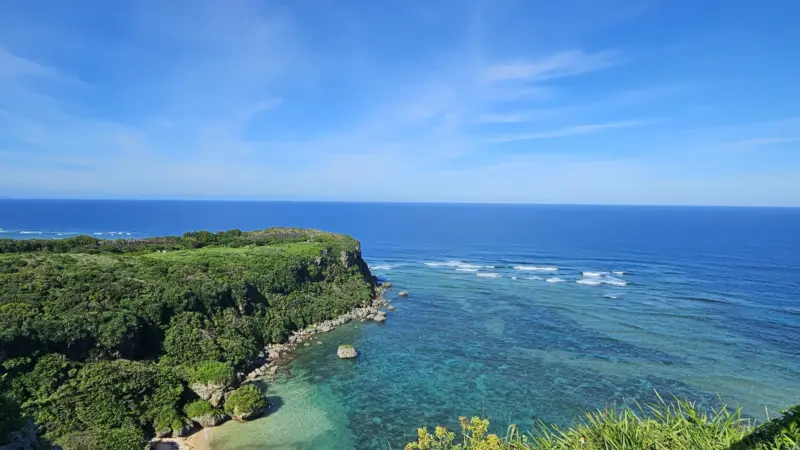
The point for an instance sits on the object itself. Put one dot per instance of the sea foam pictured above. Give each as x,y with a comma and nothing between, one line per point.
598,278
488,275
457,264
112,233
380,267
554,280
593,274
536,268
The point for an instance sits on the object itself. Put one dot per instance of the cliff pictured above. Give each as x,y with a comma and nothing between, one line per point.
99,339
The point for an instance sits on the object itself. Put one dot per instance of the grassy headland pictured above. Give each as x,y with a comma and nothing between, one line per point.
104,344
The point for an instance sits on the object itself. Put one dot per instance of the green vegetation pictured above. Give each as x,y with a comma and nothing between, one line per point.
343,346
663,426
245,401
199,408
213,372
10,418
100,339
128,438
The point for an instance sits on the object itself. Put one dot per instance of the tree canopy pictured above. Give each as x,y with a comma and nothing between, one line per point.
99,339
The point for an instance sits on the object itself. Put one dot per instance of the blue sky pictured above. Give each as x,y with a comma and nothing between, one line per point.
584,101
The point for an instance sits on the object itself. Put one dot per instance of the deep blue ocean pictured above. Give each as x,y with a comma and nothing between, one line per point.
516,312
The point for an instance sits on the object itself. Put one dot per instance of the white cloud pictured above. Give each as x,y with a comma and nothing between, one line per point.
569,131
239,99
559,65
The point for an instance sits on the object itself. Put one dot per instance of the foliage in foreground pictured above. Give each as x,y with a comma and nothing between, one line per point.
676,426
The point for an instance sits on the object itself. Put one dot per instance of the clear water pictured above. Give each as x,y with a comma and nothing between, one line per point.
708,304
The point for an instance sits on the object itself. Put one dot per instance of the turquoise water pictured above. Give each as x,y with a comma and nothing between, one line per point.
706,305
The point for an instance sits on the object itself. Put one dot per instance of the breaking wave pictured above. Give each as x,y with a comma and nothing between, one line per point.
554,280
488,274
598,278
593,274
457,264
536,268
112,233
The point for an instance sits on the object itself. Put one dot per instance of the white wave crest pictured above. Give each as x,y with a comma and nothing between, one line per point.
488,275
554,280
536,268
513,278
457,264
31,232
595,280
534,278
619,272
609,295
380,267
465,269
593,274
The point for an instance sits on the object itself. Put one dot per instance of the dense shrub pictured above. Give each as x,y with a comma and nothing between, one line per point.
128,438
245,401
10,417
213,372
109,395
200,408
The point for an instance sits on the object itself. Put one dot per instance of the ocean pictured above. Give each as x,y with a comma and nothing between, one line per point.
517,313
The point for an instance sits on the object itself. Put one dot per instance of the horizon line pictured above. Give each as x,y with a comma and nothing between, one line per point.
396,202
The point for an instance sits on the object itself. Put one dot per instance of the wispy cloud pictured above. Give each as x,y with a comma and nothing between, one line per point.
194,99
751,143
559,65
569,131
522,116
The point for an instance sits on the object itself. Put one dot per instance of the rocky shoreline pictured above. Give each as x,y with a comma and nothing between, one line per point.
276,355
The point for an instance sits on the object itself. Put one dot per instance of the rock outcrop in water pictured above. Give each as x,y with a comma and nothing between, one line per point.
346,352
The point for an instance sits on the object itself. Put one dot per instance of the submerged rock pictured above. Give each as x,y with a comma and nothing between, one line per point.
390,308
403,293
346,352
